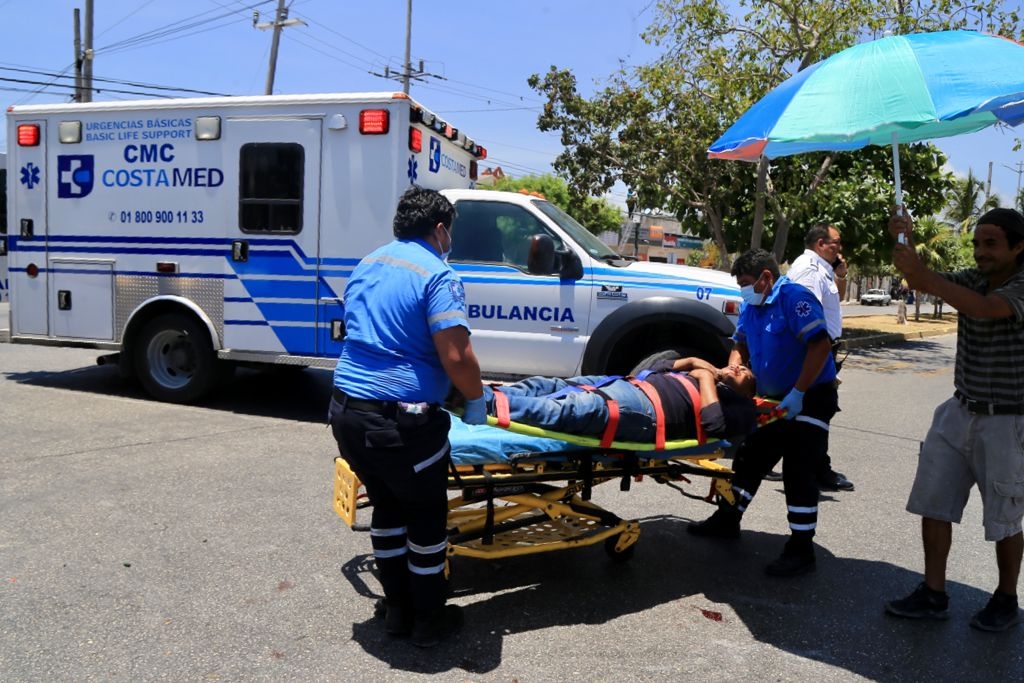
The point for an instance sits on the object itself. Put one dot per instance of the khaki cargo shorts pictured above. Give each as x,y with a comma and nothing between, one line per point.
963,449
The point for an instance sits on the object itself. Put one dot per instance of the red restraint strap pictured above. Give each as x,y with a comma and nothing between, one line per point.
695,400
613,423
613,415
659,412
501,407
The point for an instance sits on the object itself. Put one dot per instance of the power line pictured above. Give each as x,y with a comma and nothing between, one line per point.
116,81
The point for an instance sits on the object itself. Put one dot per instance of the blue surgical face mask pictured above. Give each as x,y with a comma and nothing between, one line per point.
447,252
748,294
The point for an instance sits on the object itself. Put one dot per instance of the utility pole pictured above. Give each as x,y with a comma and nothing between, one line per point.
988,185
407,73
78,57
1019,170
280,21
87,55
409,47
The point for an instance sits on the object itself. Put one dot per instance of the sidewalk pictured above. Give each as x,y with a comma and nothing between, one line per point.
878,330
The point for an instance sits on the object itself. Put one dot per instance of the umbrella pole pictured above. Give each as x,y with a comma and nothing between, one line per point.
901,238
896,167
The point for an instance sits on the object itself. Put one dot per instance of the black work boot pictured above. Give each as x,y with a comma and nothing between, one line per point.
724,523
431,630
797,558
398,617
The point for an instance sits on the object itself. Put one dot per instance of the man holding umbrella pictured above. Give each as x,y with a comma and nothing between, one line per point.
975,437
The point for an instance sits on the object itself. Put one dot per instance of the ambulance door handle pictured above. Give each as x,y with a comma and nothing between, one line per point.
564,328
240,251
332,300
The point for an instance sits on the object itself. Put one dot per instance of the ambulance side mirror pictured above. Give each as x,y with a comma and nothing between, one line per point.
544,259
541,260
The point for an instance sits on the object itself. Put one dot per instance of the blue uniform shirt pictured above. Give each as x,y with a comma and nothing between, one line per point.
397,298
776,334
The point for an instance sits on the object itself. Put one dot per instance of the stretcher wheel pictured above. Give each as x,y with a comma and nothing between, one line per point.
622,555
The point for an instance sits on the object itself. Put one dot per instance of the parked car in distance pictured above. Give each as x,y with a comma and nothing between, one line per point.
875,297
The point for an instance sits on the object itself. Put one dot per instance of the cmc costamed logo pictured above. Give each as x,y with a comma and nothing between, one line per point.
74,175
435,154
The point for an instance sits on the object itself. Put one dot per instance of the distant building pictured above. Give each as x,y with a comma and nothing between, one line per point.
490,176
657,237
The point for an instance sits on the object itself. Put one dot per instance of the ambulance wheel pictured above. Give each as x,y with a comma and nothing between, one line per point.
618,555
174,359
666,354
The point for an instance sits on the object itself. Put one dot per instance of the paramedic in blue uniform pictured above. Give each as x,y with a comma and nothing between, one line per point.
406,343
783,338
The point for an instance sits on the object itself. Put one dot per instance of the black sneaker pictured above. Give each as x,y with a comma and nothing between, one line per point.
923,603
725,523
793,562
999,614
430,632
773,476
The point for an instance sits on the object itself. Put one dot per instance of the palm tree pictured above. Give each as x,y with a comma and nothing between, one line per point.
967,201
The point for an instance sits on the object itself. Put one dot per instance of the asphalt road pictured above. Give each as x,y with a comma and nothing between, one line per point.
142,541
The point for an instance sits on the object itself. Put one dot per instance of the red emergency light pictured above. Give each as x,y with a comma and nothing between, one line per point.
415,140
28,135
374,121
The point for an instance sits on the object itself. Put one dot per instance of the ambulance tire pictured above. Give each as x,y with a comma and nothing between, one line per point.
174,359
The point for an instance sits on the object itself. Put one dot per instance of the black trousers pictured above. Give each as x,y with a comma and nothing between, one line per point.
801,444
403,462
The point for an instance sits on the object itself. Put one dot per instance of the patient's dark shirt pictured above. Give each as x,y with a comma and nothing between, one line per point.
733,415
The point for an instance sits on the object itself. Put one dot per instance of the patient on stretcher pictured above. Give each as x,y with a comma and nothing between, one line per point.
631,409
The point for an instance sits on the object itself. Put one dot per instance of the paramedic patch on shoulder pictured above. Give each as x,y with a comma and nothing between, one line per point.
458,292
803,309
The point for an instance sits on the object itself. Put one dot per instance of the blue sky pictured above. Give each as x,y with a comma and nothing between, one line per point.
480,55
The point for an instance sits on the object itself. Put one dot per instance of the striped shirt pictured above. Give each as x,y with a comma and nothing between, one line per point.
990,351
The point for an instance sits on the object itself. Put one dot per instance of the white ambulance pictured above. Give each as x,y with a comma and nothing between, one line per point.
188,236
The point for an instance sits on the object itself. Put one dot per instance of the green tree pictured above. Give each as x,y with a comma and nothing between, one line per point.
650,126
967,202
596,215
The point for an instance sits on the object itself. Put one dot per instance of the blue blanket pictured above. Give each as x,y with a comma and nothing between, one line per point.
486,445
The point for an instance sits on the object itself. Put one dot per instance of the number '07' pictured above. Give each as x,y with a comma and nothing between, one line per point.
703,293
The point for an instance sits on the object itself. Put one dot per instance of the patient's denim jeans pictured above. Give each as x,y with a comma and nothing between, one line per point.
578,412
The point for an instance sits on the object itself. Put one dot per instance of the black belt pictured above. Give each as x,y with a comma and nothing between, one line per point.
982,408
364,404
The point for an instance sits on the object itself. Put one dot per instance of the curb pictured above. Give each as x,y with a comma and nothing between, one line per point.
893,337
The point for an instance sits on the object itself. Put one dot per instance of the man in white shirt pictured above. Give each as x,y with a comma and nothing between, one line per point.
822,270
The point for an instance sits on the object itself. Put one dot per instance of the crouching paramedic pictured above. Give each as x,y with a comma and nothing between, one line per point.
782,336
657,405
407,337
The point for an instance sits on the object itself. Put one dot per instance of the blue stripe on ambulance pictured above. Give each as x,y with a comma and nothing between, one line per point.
282,283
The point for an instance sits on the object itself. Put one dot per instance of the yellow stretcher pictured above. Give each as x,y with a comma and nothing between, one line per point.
533,501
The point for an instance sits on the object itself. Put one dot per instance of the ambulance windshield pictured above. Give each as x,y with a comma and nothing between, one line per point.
583,237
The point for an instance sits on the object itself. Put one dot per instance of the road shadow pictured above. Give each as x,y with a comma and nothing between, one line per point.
291,393
921,355
834,616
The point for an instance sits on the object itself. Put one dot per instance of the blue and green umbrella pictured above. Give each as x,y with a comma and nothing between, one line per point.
905,88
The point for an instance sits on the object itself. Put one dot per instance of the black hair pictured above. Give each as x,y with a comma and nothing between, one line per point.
419,211
1012,223
821,231
754,262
